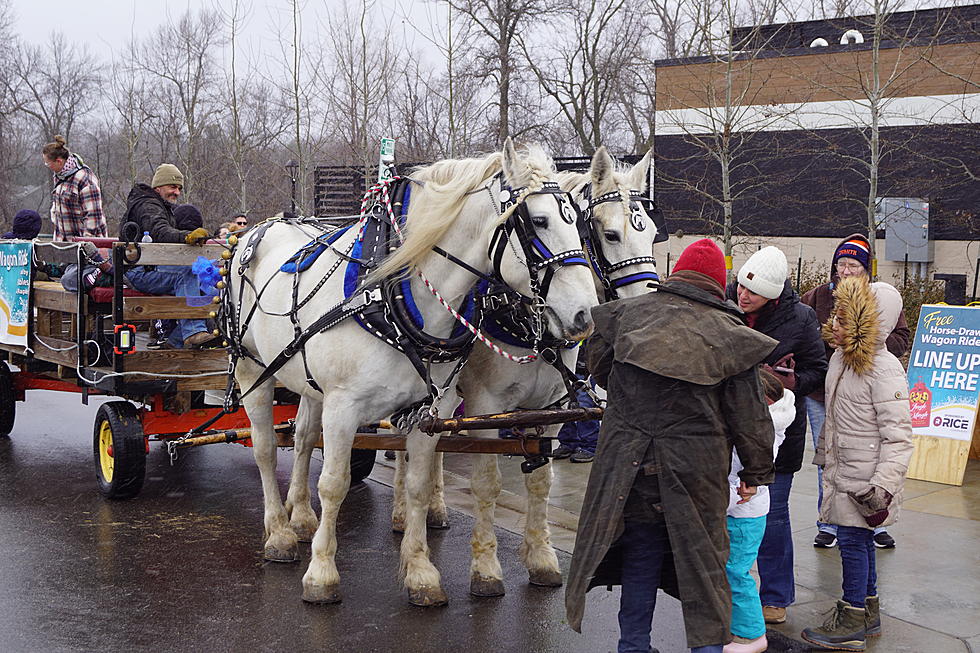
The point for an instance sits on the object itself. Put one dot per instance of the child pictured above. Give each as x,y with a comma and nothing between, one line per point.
747,525
865,448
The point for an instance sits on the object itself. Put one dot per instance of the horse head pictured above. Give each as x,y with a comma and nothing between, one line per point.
536,247
616,229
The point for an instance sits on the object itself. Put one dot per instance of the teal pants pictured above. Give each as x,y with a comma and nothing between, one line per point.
745,535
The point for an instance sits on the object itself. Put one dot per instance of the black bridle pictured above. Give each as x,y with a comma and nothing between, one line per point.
536,254
589,231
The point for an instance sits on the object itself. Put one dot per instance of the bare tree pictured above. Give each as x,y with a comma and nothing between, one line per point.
584,67
713,108
179,58
498,22
55,85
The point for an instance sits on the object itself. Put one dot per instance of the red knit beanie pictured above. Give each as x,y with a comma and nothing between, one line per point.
703,256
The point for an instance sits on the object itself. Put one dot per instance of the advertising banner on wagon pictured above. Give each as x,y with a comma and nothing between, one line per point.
15,292
944,372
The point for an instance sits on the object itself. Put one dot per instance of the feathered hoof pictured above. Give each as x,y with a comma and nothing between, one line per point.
484,586
545,578
321,594
437,521
276,554
427,597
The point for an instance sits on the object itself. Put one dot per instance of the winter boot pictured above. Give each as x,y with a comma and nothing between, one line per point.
872,617
842,631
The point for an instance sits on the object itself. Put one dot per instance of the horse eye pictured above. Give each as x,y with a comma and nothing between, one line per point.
540,221
611,236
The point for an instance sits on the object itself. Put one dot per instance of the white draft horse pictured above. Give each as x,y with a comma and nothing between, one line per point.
621,248
360,378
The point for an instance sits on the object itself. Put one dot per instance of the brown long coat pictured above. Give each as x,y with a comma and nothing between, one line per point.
681,371
867,436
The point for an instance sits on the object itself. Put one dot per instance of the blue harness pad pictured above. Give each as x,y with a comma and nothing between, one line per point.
310,252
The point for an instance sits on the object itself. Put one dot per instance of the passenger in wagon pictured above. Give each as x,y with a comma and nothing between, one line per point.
151,208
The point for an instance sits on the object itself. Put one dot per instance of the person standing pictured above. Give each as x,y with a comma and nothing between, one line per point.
76,199
682,376
746,526
865,448
151,208
852,258
771,307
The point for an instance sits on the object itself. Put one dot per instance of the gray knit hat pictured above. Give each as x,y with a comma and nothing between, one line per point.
166,174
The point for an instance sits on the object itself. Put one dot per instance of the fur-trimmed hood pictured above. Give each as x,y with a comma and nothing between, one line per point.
869,312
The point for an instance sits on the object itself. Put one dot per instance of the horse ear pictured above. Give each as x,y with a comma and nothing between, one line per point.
639,173
601,170
516,170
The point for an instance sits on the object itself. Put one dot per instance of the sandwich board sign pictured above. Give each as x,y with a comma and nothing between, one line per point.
944,388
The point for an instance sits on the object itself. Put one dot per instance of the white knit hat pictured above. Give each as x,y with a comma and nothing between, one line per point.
765,272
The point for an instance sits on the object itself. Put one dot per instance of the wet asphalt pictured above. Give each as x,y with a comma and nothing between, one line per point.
178,568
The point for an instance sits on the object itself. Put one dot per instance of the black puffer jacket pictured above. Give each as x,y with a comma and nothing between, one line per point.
152,213
795,326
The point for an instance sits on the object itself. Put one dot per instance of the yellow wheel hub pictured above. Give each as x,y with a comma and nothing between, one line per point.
105,451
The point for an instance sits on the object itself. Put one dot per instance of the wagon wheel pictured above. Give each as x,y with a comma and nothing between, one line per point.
120,450
361,463
8,404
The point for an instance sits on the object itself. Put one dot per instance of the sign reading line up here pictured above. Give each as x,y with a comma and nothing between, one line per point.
944,372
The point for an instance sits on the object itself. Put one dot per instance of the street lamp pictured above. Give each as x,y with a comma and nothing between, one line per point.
292,167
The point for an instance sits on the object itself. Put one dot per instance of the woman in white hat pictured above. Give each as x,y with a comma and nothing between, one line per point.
772,307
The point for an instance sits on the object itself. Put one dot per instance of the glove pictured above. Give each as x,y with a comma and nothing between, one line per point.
873,504
197,237
788,379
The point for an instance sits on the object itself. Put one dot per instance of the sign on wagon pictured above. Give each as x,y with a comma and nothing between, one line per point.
15,291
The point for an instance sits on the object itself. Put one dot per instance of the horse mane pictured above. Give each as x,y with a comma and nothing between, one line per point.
437,203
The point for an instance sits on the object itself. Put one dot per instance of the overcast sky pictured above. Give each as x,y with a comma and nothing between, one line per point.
106,25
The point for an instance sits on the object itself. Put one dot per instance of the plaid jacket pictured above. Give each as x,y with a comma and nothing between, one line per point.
76,203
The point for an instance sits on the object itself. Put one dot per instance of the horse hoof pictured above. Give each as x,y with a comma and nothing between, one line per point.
303,534
545,578
321,594
485,586
427,597
274,554
437,522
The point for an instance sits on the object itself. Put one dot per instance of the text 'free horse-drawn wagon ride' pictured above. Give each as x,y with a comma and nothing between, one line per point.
467,279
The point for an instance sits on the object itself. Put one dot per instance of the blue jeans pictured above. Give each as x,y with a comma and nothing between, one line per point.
581,435
644,546
857,556
745,535
177,280
776,580
816,412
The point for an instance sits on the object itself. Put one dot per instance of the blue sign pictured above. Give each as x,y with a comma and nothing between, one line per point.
944,372
15,291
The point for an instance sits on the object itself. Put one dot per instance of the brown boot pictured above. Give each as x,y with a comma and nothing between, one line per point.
842,631
200,339
872,617
773,615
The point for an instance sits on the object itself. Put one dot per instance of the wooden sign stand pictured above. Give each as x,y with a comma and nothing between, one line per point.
941,460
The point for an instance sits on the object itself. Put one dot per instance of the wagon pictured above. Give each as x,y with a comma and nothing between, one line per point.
94,343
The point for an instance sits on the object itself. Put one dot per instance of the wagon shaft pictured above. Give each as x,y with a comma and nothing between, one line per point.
520,418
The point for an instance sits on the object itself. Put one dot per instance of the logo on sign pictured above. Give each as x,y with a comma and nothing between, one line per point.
958,423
